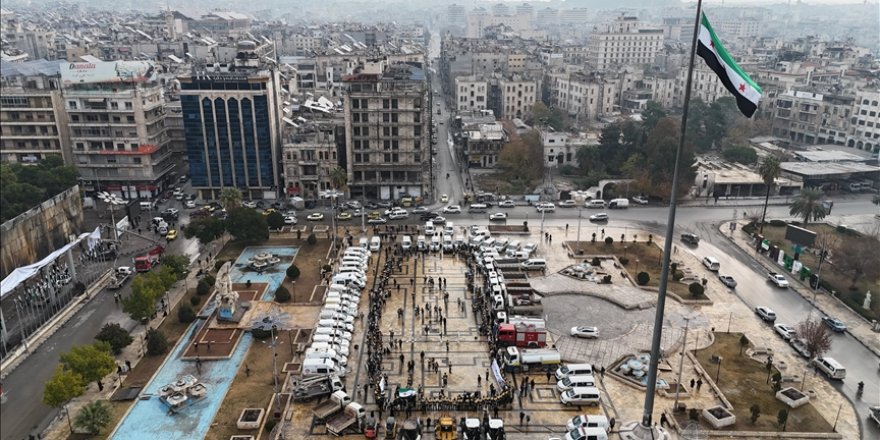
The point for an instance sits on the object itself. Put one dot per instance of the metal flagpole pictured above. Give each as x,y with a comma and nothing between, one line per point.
667,245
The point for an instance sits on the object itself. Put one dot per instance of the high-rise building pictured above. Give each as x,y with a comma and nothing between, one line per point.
864,132
310,153
547,18
33,124
624,43
231,117
455,15
471,93
518,96
387,131
116,114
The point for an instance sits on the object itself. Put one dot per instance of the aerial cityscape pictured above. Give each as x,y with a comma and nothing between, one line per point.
432,219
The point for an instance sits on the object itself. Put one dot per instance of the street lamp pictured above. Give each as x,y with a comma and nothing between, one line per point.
687,320
112,201
580,212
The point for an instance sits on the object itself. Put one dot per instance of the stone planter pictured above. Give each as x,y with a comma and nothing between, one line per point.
251,418
719,417
670,392
792,397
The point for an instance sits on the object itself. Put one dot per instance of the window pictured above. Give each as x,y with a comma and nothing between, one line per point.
71,104
136,160
417,158
386,131
386,145
386,117
386,103
393,103
128,105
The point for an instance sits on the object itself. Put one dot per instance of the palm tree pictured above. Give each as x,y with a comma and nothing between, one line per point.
339,178
230,198
808,205
93,417
769,171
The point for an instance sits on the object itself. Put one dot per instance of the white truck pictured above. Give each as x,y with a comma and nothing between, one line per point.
343,421
337,401
778,279
516,359
315,386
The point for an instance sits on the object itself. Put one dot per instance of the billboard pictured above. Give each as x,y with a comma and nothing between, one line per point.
99,72
800,236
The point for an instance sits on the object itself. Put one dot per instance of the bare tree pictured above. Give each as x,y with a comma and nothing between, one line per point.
815,336
858,257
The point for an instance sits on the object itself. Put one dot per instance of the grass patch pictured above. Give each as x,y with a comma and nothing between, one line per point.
643,257
831,275
744,383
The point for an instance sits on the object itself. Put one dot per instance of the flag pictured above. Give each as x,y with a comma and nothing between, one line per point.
737,82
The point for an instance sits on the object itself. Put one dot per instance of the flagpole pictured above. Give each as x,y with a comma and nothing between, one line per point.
667,245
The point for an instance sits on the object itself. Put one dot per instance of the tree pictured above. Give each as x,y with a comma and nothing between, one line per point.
858,257
643,278
696,289
177,264
247,225
206,229
23,187
157,343
782,418
62,386
522,158
754,413
91,362
293,272
146,289
204,287
312,239
230,198
282,294
116,336
739,153
275,220
93,417
339,178
808,205
653,113
556,118
185,313
659,161
769,171
815,336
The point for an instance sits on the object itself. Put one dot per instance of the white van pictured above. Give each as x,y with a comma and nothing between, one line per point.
327,347
501,244
596,203
618,204
351,269
574,370
330,339
358,250
429,228
421,244
330,354
449,228
330,323
146,206
831,368
476,241
349,280
477,208
338,316
488,243
321,367
435,243
517,255
375,244
513,245
534,264
588,421
459,240
363,242
587,434
711,263
581,396
447,244
497,302
406,243
336,333
575,382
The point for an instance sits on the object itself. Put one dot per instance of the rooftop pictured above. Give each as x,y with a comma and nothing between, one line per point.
817,169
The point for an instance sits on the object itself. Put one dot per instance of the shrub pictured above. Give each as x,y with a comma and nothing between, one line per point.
218,264
677,275
195,300
596,262
261,334
642,278
186,314
93,417
79,288
696,289
204,288
623,260
281,294
694,414
116,336
270,425
326,268
157,343
293,272
755,411
210,279
311,240
609,241
777,223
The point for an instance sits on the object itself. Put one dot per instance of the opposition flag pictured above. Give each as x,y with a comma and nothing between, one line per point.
737,82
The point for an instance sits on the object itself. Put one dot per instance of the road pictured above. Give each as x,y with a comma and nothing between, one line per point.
449,176
24,413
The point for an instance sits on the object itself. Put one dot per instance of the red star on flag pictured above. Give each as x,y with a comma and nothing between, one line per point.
712,43
742,87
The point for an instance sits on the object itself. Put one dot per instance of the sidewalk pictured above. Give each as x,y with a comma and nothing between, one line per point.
856,325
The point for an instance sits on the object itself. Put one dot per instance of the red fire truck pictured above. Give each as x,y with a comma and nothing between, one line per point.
522,332
146,262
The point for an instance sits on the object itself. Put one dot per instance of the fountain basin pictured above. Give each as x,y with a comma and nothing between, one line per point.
719,417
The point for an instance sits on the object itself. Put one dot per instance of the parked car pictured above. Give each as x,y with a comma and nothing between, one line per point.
377,221
344,216
419,210
765,313
834,323
290,220
727,280
439,220
584,332
507,204
315,216
786,331
249,204
567,203
641,200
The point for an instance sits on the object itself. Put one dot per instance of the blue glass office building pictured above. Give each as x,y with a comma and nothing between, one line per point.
231,132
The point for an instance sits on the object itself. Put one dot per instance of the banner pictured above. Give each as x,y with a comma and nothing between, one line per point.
496,372
102,72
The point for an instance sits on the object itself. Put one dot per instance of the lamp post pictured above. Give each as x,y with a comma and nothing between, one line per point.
687,324
580,212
